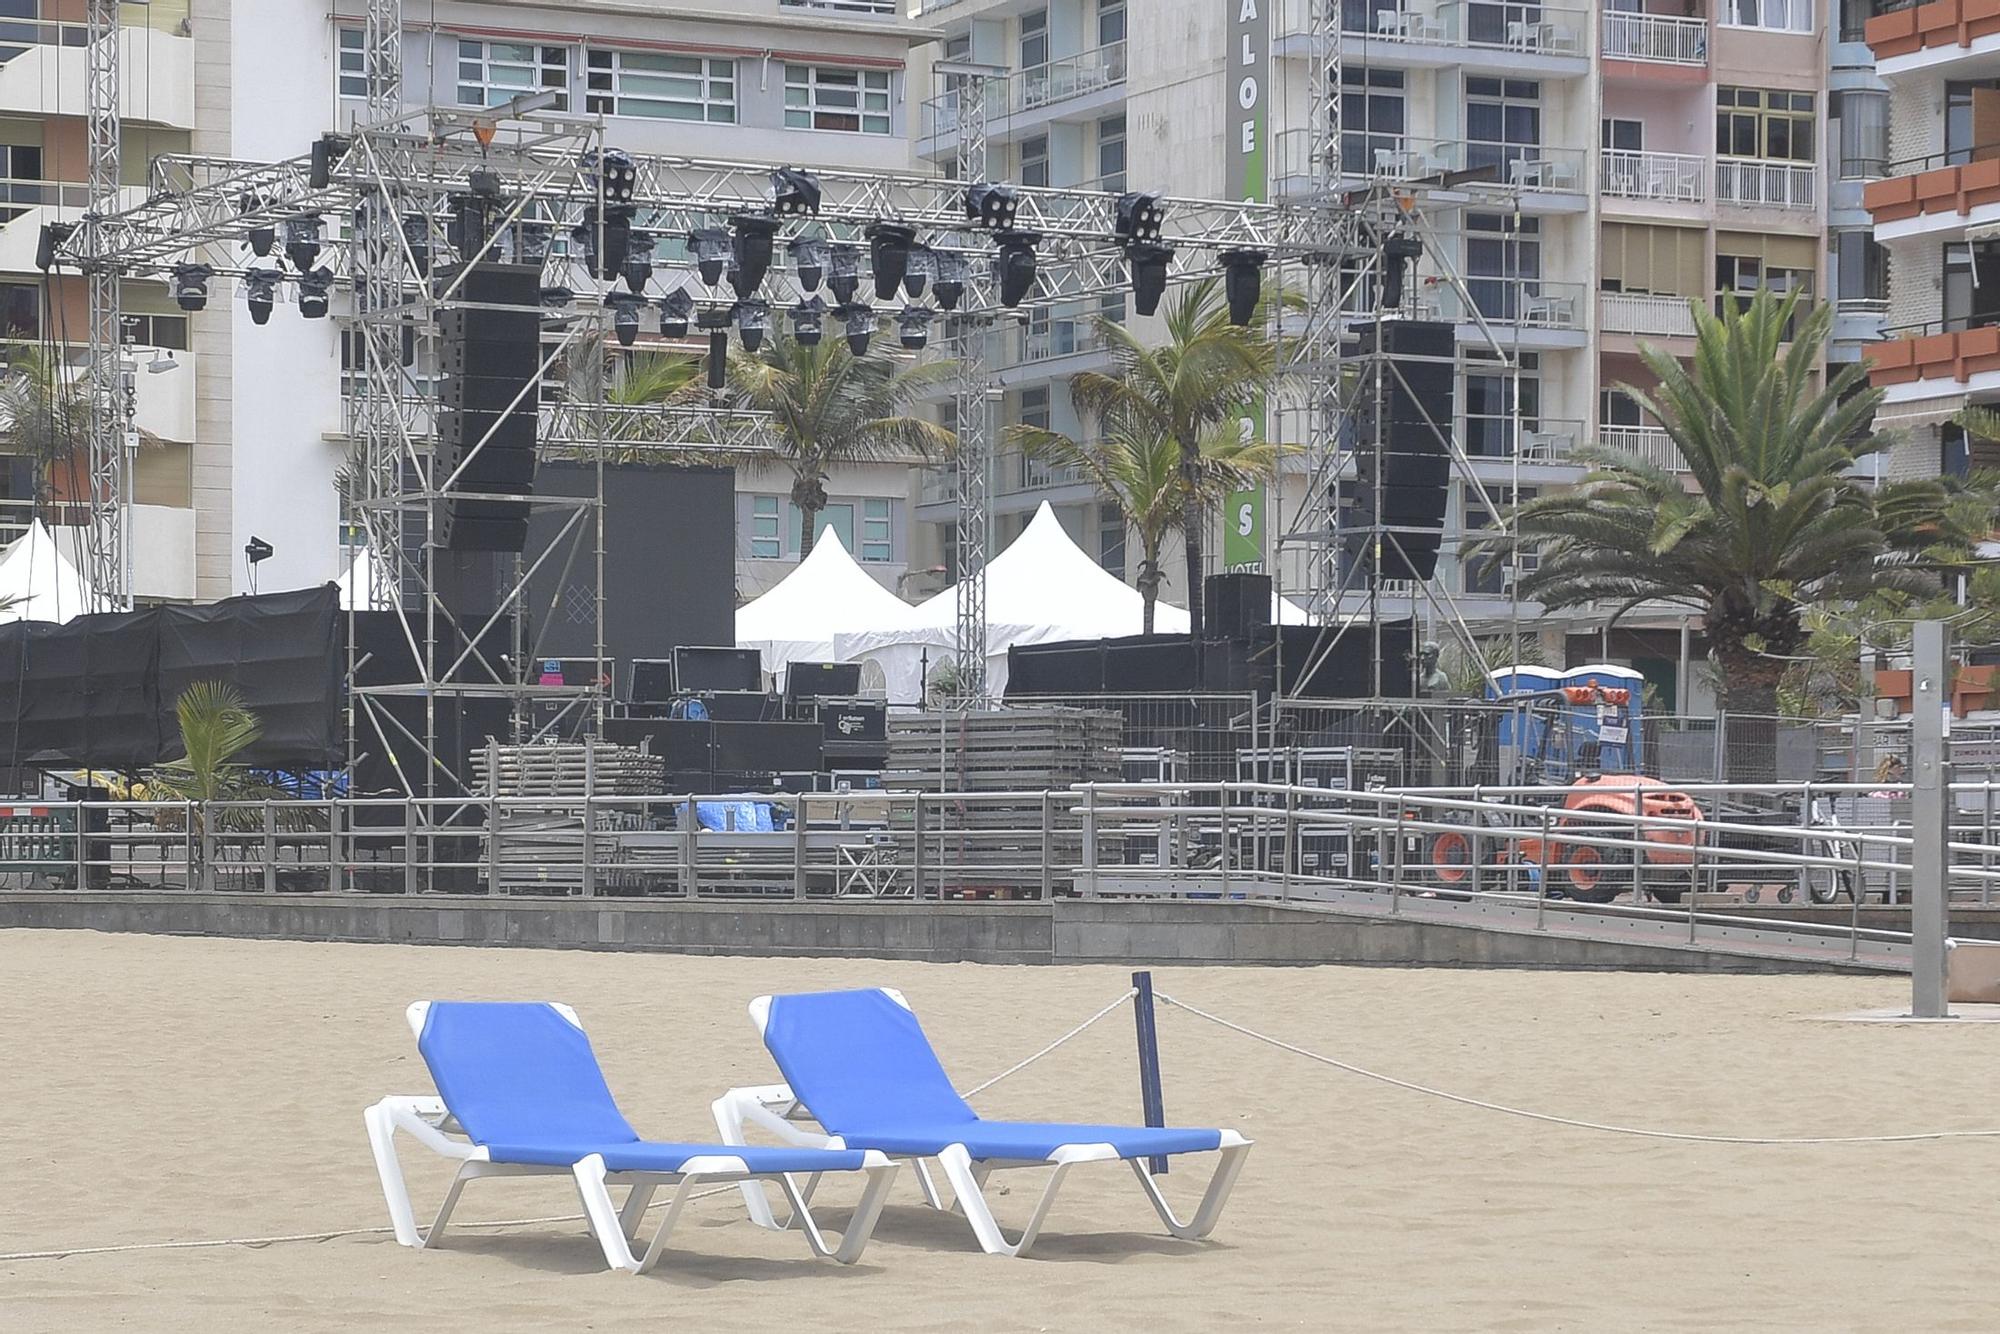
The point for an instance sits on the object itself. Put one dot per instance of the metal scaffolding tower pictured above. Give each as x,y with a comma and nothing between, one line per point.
107,390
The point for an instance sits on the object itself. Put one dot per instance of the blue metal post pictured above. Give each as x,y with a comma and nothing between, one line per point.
1149,1060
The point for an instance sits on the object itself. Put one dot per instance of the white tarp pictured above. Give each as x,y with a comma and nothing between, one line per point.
38,583
828,594
1042,589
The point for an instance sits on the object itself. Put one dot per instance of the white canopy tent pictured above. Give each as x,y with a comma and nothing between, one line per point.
38,583
1041,589
799,618
361,584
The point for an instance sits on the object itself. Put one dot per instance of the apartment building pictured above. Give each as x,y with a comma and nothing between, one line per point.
44,165
1936,211
1664,151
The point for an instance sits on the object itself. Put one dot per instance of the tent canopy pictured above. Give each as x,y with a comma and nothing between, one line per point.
38,583
826,595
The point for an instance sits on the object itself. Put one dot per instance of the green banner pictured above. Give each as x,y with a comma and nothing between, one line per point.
1243,530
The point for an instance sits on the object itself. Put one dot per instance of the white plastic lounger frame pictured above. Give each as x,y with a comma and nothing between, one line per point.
777,1110
429,1122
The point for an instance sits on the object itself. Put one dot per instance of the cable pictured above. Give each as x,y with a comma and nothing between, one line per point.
1463,1100
978,1089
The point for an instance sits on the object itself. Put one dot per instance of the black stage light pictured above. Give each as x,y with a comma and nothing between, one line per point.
484,182
607,243
807,319
417,236
808,261
326,150
859,321
625,310
49,240
1243,283
1149,262
843,273
1138,216
889,251
795,193
676,309
718,359
1014,266
555,298
314,290
532,240
751,235
753,321
711,252
639,247
260,287
919,272
261,240
913,326
1398,250
191,285
951,272
615,177
302,236
992,204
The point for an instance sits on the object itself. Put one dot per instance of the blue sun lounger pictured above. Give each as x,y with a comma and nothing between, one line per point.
858,1063
520,1094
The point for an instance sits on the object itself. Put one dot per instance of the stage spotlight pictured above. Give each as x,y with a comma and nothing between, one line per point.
302,241
889,252
615,178
1242,283
1138,217
326,150
992,205
951,272
52,237
859,322
314,290
753,321
639,247
751,249
1398,250
261,240
625,310
606,242
919,272
913,326
260,289
808,261
676,309
795,193
1149,262
191,285
718,359
1014,266
484,183
843,274
711,252
807,319
555,298
417,236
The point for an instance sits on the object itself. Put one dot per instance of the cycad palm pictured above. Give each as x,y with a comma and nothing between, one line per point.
1203,378
829,407
43,417
1774,522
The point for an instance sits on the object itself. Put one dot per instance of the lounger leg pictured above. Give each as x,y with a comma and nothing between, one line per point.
382,1140
634,1211
681,1197
1210,1209
925,1184
603,1215
860,1226
466,1171
967,1182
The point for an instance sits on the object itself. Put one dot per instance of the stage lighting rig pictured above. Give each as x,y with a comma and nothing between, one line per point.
843,274
795,193
326,150
859,322
716,320
750,243
992,205
1149,262
949,289
557,298
191,285
710,247
302,241
417,237
676,309
606,241
625,309
614,176
532,241
913,325
1399,249
1014,265
1138,216
753,321
260,290
639,248
918,275
315,289
808,261
889,253
808,321
1243,282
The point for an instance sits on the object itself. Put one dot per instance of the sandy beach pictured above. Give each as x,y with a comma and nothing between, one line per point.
175,1089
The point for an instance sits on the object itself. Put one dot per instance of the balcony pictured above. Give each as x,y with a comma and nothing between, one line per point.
1645,314
1523,304
1927,195
1544,441
1755,183
1524,38
1663,178
1936,360
1656,39
1056,88
1059,338
1536,169
44,71
1915,35
1021,475
1788,16
1650,443
870,8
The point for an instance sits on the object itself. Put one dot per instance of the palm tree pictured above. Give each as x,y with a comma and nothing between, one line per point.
216,726
42,416
1202,379
1142,473
829,407
656,377
1774,522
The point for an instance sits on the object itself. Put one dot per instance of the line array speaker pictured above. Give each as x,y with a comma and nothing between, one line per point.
490,398
1402,473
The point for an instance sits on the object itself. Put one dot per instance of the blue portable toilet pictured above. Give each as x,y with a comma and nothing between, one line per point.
1619,733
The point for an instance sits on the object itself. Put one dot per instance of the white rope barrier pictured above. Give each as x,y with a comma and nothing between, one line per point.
1551,1119
256,1242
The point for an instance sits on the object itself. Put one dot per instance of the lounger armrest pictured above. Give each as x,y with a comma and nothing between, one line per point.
765,1106
1084,1153
422,1118
715,1164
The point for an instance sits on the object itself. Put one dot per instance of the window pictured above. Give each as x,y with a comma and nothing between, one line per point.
1035,160
1503,121
163,331
1627,136
1035,406
1861,129
490,73
877,533
1615,407
819,97
1860,268
837,518
1969,120
1111,539
20,181
1771,15
1489,407
1371,115
1971,285
20,312
1764,123
353,63
1110,21
1481,574
1111,154
1503,260
658,86
767,541
959,47
1662,261
20,162
1034,38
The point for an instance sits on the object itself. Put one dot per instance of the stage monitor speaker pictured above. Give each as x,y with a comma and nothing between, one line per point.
699,668
821,680
491,359
1236,604
1402,464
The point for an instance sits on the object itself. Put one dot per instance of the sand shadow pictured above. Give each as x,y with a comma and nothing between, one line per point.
577,1253
924,1228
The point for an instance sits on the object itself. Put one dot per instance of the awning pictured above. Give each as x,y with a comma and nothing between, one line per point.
1918,412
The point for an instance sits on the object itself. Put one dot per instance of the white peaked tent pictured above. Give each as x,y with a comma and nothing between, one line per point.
359,586
1042,589
828,594
38,583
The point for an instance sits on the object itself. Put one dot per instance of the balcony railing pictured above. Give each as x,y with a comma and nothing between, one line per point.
1665,39
1668,178
18,36
1542,439
1067,76
1646,314
1543,29
1059,338
1650,443
1031,474
884,7
1767,184
1534,303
